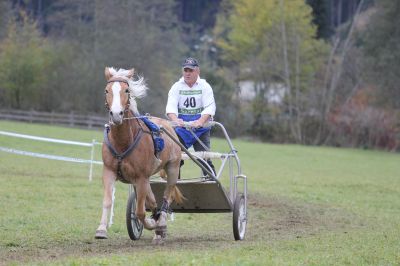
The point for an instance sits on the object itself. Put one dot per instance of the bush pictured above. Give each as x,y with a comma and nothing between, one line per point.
360,125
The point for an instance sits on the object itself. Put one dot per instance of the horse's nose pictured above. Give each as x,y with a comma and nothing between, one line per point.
111,113
121,113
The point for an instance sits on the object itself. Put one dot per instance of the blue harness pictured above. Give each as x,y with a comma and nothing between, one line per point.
157,140
155,133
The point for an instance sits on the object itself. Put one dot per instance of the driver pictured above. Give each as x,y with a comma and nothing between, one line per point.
191,99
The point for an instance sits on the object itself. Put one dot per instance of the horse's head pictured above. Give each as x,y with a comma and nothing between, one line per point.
120,93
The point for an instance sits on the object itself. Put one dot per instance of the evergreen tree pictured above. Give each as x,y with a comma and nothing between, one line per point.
322,17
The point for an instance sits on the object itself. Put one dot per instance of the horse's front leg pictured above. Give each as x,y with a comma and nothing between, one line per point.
108,184
151,202
142,190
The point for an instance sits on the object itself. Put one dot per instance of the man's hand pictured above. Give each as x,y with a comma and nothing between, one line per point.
197,123
201,121
179,122
174,118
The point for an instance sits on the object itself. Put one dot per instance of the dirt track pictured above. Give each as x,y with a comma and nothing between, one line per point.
270,219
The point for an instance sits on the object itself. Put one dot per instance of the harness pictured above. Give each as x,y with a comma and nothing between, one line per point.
158,142
122,155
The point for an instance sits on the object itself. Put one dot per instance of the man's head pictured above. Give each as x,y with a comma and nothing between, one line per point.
190,71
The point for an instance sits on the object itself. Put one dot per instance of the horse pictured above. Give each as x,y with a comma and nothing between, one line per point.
129,155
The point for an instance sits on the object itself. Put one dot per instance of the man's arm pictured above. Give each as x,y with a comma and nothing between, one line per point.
171,109
201,121
173,117
209,107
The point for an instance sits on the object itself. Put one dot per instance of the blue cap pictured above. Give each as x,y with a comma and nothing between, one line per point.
190,63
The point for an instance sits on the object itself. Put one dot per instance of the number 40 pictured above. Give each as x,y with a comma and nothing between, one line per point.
190,102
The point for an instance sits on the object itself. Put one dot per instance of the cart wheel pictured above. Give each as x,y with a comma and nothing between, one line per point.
134,226
239,217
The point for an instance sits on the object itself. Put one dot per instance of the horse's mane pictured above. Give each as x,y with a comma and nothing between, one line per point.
138,88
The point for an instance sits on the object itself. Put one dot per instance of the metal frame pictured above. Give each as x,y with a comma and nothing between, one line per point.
226,200
231,158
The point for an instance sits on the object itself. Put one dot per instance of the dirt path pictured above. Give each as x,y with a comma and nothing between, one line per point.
270,219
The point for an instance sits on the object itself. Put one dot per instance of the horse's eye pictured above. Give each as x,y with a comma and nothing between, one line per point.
127,91
106,91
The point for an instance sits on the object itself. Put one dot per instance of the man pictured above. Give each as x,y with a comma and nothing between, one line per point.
191,99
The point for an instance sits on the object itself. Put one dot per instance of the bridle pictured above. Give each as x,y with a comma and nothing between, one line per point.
126,109
136,138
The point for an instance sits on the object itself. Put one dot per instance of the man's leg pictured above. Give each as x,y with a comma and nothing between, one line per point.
182,161
205,139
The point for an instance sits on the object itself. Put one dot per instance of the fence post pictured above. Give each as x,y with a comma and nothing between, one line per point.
52,117
31,116
71,118
89,122
91,161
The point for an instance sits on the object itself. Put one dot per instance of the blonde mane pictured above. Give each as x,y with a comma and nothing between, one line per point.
138,88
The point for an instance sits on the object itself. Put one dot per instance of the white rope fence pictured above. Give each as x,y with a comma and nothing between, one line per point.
54,157
91,161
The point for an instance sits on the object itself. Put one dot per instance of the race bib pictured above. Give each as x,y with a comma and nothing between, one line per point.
190,102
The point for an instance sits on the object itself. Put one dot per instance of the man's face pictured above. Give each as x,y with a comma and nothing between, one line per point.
190,75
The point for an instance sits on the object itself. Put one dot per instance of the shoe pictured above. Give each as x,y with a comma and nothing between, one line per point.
179,173
209,162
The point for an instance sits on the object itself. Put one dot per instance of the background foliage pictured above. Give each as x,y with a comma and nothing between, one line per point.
312,68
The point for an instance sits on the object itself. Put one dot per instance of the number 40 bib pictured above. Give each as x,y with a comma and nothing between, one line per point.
190,102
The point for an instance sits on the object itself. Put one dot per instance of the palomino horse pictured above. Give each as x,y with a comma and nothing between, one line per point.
128,152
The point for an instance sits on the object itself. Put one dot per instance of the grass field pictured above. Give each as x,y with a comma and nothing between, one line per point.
307,206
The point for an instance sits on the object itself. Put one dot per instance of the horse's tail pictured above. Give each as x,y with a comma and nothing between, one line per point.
177,195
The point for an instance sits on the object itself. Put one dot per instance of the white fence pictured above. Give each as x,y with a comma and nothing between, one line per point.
90,161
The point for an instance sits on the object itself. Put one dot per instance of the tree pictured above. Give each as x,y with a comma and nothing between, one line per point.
123,34
382,54
24,58
6,13
322,17
273,42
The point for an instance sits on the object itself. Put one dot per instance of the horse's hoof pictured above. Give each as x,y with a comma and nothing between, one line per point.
158,240
161,231
149,224
101,234
162,220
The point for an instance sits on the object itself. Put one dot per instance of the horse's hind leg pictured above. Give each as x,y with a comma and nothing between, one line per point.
171,193
108,184
142,189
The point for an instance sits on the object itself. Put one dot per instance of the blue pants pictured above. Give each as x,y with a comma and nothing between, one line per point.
205,138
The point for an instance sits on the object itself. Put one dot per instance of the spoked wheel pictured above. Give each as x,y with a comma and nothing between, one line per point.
134,226
239,217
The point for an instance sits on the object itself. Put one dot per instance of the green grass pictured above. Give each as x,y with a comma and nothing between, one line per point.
307,206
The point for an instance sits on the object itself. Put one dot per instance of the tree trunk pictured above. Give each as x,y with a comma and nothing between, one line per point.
332,82
287,73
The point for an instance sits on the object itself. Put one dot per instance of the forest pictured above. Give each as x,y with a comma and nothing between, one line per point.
315,72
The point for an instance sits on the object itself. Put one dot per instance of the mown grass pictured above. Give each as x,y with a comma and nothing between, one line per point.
307,206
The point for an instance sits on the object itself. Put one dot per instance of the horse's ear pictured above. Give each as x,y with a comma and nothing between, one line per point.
107,73
131,72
